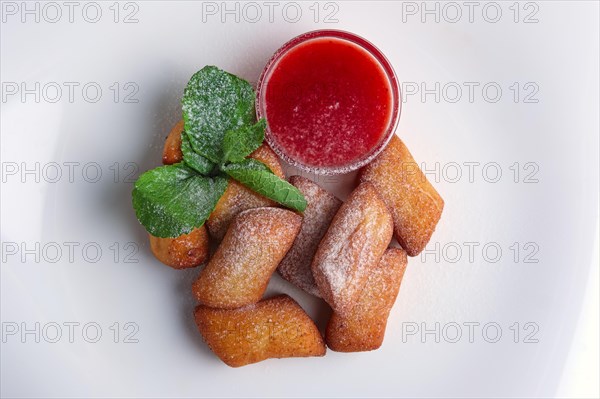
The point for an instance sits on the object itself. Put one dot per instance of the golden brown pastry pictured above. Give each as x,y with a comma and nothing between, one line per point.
322,207
359,234
363,328
273,328
238,198
415,205
172,149
187,250
239,271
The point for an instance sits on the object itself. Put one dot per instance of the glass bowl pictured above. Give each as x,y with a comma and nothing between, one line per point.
386,67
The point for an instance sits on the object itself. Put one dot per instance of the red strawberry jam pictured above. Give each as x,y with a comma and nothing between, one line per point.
331,101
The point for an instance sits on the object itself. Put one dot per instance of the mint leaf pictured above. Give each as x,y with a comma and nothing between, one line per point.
192,158
248,164
266,183
173,200
241,142
214,102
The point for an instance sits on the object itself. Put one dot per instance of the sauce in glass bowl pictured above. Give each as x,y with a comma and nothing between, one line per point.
331,101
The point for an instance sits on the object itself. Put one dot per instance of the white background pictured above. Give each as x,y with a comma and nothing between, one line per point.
558,214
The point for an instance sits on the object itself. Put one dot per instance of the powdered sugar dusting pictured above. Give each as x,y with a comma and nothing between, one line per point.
252,248
364,328
359,234
415,205
322,207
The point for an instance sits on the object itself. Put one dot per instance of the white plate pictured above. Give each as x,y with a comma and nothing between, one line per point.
551,211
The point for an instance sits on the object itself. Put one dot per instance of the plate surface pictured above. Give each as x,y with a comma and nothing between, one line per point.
500,107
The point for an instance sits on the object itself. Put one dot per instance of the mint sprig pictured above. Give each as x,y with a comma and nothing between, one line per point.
220,132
